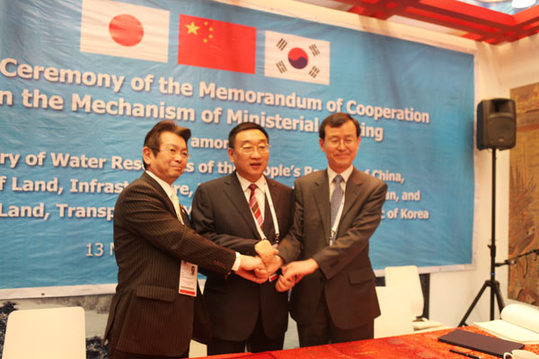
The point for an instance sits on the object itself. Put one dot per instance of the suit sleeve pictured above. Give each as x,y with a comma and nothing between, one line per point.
355,239
141,211
207,215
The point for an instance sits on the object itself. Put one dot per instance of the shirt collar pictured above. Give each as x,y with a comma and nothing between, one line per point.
345,174
166,187
244,183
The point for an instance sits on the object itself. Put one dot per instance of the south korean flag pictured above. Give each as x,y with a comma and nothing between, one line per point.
296,58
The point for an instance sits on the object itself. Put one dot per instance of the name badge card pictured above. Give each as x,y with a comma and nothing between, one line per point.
188,279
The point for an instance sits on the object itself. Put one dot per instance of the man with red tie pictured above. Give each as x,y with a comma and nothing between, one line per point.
246,212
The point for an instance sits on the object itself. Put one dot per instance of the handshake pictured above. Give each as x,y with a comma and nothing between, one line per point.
258,269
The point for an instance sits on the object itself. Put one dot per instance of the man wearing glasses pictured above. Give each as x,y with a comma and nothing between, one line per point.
247,212
337,211
156,307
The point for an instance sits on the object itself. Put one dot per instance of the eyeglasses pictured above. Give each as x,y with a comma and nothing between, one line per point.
336,141
250,149
174,151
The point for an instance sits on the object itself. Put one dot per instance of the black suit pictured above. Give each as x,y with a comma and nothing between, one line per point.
345,279
221,213
147,315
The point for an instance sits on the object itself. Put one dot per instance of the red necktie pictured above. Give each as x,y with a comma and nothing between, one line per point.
253,204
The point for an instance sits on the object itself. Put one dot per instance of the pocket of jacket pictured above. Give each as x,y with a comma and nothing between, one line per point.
360,276
158,293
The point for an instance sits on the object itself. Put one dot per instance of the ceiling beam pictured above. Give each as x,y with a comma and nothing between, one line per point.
479,24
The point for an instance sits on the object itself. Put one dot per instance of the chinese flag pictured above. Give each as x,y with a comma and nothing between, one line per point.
217,44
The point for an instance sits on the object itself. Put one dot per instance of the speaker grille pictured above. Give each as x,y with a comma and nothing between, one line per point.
496,124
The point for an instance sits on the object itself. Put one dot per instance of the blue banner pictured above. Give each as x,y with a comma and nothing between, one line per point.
81,82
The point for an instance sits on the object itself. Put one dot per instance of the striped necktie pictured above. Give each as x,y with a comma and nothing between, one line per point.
253,204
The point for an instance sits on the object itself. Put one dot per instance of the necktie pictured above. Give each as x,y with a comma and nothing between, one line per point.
176,204
253,204
335,201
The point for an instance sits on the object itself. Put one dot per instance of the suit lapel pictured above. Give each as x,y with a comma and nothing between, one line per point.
185,216
269,228
352,191
321,197
237,198
168,203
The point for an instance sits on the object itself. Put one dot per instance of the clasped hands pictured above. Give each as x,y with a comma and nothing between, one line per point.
267,262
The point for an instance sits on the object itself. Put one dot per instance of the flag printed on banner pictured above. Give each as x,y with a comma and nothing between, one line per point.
125,30
297,58
216,44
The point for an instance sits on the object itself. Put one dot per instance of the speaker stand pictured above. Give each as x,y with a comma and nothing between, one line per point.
492,282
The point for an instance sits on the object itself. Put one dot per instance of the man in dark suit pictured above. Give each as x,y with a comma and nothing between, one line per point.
243,313
155,308
335,298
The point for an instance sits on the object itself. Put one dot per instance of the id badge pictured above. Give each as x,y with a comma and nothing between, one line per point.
188,279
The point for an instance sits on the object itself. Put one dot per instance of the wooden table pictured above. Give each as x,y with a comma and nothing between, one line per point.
423,345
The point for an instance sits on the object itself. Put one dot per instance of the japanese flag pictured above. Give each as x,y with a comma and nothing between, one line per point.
125,30
297,58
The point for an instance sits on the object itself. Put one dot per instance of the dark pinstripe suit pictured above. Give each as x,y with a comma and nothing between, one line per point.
147,315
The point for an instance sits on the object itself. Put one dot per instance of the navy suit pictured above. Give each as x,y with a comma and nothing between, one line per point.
221,213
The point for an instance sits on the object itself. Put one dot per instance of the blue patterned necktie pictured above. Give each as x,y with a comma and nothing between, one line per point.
335,201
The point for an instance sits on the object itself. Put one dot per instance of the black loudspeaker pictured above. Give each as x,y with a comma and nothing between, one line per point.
496,124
